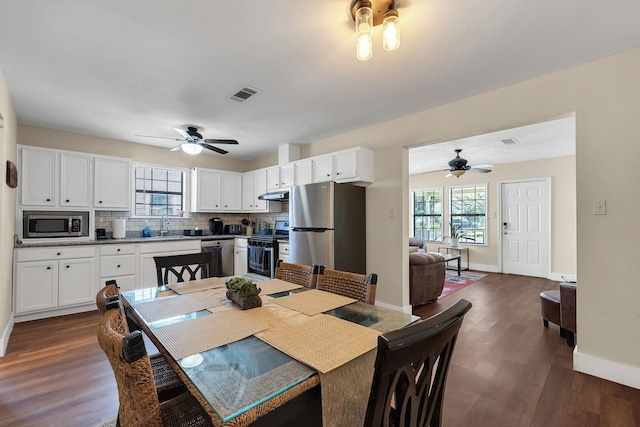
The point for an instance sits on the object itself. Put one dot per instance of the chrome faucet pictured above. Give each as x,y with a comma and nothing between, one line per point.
164,221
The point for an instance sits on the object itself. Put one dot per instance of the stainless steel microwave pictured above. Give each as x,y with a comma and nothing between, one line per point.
41,224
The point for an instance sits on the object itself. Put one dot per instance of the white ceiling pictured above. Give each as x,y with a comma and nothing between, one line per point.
119,68
538,141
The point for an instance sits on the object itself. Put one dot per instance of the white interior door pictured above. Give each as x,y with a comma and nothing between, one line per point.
525,216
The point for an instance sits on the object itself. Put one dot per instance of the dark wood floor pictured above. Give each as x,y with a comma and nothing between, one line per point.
508,370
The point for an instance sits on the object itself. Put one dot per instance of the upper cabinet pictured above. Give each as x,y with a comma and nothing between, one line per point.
55,180
38,183
215,191
303,172
273,178
287,176
353,165
112,189
254,184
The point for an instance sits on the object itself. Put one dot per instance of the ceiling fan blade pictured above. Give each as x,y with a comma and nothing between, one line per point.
484,165
159,137
177,148
184,133
479,170
216,149
221,141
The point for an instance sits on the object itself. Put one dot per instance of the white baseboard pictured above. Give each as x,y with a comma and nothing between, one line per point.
406,309
562,277
482,267
606,369
4,339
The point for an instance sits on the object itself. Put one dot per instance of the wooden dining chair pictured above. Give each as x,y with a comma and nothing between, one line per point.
299,274
411,370
138,398
352,285
167,382
182,268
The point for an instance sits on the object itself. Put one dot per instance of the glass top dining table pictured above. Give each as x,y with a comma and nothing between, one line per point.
237,377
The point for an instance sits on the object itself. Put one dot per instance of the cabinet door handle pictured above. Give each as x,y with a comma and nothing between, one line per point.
100,201
49,268
58,254
118,249
118,265
48,200
67,200
67,266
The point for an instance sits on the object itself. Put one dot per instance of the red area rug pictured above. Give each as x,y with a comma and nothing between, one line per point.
453,282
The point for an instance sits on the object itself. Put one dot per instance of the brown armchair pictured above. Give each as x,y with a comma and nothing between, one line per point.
426,277
568,312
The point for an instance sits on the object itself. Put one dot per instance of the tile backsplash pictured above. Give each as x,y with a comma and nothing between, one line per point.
177,225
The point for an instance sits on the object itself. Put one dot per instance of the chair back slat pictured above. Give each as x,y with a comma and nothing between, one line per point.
353,285
411,370
182,267
106,294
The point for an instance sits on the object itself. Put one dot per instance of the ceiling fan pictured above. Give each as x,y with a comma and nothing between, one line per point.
458,166
193,142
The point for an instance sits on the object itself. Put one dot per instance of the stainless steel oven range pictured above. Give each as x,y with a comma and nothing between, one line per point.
262,251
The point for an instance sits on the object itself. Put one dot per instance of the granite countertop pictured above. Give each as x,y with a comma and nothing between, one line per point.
55,242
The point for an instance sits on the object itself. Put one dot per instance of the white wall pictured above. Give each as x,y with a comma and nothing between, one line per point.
562,171
604,95
8,137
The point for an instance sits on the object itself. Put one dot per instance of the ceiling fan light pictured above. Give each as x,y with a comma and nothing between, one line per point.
191,148
457,173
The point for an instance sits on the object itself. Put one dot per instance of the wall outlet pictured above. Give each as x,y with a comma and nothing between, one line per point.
392,213
600,207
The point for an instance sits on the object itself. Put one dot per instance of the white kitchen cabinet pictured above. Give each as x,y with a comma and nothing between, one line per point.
47,280
215,191
51,179
248,192
283,252
240,259
303,172
38,177
118,262
254,184
75,180
112,184
322,168
231,191
273,178
287,176
147,251
353,165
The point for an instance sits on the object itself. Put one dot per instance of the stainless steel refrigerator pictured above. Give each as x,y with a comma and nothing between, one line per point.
327,226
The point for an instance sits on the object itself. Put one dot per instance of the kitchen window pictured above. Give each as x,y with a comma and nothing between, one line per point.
427,213
468,210
159,191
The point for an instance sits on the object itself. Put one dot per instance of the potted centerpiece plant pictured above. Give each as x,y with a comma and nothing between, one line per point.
243,293
457,234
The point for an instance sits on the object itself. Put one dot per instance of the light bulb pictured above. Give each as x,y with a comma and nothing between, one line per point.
191,148
364,22
364,49
391,32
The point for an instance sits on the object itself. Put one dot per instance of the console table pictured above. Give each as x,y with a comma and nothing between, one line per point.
460,251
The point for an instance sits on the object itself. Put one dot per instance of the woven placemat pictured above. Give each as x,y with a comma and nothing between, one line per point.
322,342
197,285
313,301
273,286
204,333
164,308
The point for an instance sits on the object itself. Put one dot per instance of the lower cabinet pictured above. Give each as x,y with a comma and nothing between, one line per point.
54,279
148,276
240,259
118,262
283,252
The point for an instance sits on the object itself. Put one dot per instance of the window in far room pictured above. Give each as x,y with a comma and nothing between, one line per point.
159,191
427,213
468,212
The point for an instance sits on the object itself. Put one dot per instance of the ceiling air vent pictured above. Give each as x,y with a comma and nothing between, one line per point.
244,94
510,141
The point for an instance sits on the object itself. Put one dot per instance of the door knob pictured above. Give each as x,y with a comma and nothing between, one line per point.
504,228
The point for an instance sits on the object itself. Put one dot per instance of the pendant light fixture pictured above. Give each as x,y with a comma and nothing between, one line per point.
369,13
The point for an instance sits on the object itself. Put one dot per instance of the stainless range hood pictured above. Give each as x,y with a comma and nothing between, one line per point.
275,195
